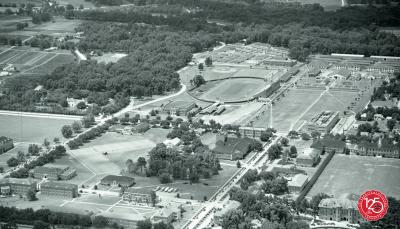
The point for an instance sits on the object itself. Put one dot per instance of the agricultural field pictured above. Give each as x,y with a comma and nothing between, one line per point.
30,60
31,129
234,89
347,174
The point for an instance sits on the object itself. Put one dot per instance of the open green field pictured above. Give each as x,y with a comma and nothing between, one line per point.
347,174
287,110
8,23
12,153
234,89
31,129
119,148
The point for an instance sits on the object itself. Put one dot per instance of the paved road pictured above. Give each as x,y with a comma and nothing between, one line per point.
203,217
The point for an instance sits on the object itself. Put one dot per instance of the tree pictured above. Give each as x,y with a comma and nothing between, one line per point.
305,136
56,140
165,178
208,61
198,80
100,221
201,66
238,164
266,135
40,225
76,126
46,143
301,224
315,200
144,224
12,162
391,124
293,134
31,195
284,141
69,7
33,149
274,152
20,156
293,151
81,105
141,162
162,225
256,146
66,131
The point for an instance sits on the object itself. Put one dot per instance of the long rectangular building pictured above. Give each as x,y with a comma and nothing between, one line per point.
323,122
61,189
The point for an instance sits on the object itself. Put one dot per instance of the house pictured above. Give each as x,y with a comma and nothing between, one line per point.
5,144
54,172
17,185
61,189
178,107
231,148
309,158
166,215
339,210
140,196
297,183
378,117
74,102
115,180
329,145
172,142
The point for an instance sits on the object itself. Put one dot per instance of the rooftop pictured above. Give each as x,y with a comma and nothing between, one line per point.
338,203
58,185
324,118
116,178
387,103
21,181
231,144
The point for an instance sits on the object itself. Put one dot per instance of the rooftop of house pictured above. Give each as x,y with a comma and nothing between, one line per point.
338,203
298,180
58,185
116,178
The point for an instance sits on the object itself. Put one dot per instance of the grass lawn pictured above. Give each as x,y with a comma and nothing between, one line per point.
287,110
12,153
49,64
347,174
234,89
31,129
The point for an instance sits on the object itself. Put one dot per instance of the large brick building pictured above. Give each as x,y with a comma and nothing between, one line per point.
329,145
61,189
54,172
139,196
17,186
178,107
251,132
231,148
309,158
339,210
5,144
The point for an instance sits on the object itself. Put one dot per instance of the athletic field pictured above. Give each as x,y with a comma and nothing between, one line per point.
347,174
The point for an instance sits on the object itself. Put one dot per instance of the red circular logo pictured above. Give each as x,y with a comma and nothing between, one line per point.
373,205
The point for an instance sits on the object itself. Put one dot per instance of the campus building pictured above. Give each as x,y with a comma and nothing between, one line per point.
378,149
17,186
5,144
329,145
139,196
309,158
276,62
114,180
251,132
166,215
52,188
54,172
339,210
178,107
231,148
125,220
297,183
323,122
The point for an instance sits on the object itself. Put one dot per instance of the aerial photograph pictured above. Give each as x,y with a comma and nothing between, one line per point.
199,114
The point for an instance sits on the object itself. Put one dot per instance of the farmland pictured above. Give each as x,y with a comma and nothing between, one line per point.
31,129
355,174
